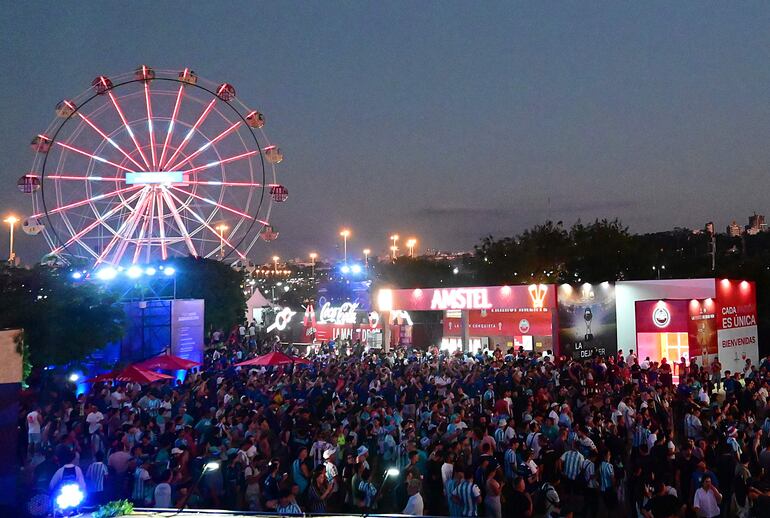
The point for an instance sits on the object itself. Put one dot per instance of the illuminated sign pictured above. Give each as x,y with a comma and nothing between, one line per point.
344,314
460,298
282,319
524,326
155,177
537,293
661,317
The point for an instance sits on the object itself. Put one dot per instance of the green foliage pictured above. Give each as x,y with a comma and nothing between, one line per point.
216,283
115,508
62,321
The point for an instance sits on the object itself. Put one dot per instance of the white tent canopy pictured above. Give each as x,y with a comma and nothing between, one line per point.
256,301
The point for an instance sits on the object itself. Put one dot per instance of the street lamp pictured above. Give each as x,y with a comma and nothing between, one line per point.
313,256
366,257
221,228
345,233
394,247
275,263
11,220
410,245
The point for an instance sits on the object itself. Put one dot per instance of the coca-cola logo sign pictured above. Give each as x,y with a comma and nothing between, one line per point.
343,314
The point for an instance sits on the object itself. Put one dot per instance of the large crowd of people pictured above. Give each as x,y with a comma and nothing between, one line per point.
420,432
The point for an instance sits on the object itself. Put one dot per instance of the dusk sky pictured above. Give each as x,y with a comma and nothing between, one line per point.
443,120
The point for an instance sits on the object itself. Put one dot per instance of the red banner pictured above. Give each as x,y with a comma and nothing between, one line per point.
702,328
502,323
662,316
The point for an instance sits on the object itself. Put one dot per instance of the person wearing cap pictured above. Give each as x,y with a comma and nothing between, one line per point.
330,468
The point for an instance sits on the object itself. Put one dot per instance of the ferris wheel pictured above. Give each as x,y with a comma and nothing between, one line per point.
150,165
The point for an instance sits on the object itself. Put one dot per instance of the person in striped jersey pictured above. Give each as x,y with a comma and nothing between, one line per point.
512,459
95,475
571,464
467,495
607,481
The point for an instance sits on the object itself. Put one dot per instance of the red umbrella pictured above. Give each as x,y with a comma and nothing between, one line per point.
167,362
107,376
132,373
269,360
301,361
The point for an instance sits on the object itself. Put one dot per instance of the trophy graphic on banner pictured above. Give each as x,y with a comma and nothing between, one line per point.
588,317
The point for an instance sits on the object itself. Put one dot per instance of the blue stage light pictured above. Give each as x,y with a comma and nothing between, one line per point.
107,273
134,272
77,275
345,269
150,271
169,271
356,268
69,497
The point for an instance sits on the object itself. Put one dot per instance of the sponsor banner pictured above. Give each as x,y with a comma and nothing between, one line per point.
736,324
508,323
662,316
533,298
587,320
702,328
187,328
736,346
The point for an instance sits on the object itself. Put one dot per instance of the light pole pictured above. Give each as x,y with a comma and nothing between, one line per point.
658,269
410,245
394,247
366,257
313,256
11,220
345,233
275,264
221,228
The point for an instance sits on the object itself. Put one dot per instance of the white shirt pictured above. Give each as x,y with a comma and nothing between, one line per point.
447,470
706,502
414,506
60,473
33,422
163,496
93,419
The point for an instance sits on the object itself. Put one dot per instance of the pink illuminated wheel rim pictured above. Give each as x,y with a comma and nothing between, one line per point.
151,165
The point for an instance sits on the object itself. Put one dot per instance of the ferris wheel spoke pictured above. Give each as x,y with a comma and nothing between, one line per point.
220,162
200,220
146,228
179,223
171,124
109,140
192,130
149,122
219,205
94,157
161,228
87,201
86,178
226,184
128,226
205,146
98,221
128,128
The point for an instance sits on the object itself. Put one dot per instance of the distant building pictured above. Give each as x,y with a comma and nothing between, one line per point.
734,229
756,224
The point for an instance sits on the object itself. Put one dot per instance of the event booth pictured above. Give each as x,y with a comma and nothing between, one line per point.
485,316
671,318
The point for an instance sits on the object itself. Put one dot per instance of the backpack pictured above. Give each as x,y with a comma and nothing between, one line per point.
540,499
